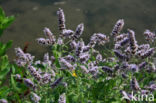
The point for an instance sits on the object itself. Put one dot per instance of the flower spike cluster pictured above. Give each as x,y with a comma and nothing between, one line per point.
72,57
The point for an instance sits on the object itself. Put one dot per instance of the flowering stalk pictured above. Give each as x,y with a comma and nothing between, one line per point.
79,31
118,27
61,19
133,42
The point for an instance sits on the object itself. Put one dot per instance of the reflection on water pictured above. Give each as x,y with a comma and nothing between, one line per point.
98,16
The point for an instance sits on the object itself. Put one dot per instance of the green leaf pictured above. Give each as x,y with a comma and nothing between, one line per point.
2,14
8,44
4,73
5,21
13,83
4,62
57,63
4,91
4,47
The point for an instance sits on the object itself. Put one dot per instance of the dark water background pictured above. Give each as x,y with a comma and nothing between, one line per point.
97,15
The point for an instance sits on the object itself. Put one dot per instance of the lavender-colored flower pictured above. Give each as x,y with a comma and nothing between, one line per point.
37,62
123,42
152,87
148,53
34,73
79,48
79,31
44,42
29,57
120,37
120,56
56,82
86,48
124,76
46,60
98,38
73,44
61,19
29,83
20,62
93,40
46,78
18,77
127,51
144,47
112,59
102,38
84,57
59,41
118,27
35,98
142,65
49,34
23,58
69,58
19,53
124,65
134,84
132,41
117,46
93,70
133,67
107,69
91,64
65,63
67,33
149,36
52,58
62,98
84,68
3,101
99,57
140,52
145,92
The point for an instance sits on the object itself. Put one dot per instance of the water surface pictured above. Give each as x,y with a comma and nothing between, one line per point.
97,15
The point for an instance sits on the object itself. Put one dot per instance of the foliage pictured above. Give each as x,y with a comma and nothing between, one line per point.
4,62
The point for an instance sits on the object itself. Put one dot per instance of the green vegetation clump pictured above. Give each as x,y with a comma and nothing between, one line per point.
75,72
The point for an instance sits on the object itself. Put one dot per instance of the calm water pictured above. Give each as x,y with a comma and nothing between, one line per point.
97,15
